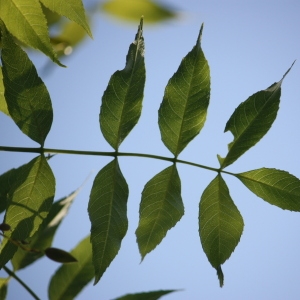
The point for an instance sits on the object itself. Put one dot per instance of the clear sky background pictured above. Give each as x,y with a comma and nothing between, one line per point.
249,45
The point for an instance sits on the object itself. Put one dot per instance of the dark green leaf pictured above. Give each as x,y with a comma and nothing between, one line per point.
251,120
132,10
73,10
29,201
154,295
122,100
43,238
70,279
108,214
220,224
182,113
274,186
25,20
3,105
59,255
27,98
160,209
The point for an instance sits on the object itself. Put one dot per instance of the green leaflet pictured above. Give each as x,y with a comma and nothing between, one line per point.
251,120
70,279
108,214
73,10
183,110
29,201
122,100
154,295
160,209
3,105
3,288
132,10
43,238
26,21
27,98
220,224
274,186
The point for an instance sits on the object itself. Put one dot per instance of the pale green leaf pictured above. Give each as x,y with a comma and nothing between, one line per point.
274,186
153,295
70,279
160,209
122,100
3,288
27,98
73,10
3,105
183,111
29,201
43,238
108,214
132,10
251,120
25,20
220,224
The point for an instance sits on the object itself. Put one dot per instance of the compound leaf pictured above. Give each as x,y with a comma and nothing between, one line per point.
108,214
73,10
274,186
220,224
251,120
29,201
25,20
73,276
122,100
27,98
183,111
160,209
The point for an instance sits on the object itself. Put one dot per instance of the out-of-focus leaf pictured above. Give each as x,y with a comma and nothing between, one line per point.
43,238
184,107
73,10
108,214
29,201
122,100
132,10
25,20
27,98
160,209
251,120
3,105
220,224
60,255
3,288
154,295
70,279
274,186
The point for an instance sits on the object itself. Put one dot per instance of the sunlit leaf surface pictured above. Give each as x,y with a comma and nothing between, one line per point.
274,186
183,111
122,100
160,209
251,121
220,224
108,214
3,105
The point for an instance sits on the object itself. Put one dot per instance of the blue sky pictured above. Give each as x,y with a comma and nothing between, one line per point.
249,45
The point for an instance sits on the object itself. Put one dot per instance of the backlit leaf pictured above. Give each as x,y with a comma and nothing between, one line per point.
29,201
220,224
122,100
73,276
154,295
108,214
182,113
160,209
25,20
251,120
43,238
274,186
3,105
73,10
132,10
27,98
3,288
